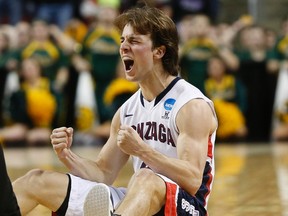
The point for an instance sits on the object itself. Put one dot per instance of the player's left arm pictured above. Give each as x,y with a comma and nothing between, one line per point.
196,122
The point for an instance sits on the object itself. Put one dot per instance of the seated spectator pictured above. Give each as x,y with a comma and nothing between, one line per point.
48,53
33,108
199,44
54,62
6,65
228,95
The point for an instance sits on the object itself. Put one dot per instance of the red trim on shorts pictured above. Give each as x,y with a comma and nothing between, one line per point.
210,148
170,205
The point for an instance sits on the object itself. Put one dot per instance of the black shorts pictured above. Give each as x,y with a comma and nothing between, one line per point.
179,202
8,202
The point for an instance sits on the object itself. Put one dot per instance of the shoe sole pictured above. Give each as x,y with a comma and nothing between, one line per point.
98,202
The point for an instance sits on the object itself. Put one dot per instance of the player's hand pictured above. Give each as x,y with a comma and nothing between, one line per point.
129,141
61,140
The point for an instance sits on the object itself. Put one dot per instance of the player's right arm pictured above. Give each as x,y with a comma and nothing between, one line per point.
109,161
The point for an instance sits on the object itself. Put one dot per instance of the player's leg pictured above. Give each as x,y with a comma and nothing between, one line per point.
146,195
41,187
90,198
8,202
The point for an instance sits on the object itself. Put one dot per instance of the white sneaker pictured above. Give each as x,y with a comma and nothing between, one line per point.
98,201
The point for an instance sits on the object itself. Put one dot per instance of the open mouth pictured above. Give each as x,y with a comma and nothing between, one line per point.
128,64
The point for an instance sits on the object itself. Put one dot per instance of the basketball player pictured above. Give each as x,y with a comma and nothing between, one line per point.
168,127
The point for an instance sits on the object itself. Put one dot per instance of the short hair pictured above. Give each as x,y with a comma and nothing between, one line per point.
150,20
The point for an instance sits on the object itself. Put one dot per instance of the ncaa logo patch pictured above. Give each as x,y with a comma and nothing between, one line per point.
168,104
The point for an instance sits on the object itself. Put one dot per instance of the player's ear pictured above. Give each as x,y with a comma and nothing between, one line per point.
159,52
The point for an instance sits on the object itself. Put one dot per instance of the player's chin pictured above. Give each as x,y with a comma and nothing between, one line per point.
131,77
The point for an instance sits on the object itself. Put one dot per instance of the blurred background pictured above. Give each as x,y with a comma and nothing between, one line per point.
59,66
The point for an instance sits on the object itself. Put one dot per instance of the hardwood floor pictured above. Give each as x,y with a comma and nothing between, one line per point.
251,179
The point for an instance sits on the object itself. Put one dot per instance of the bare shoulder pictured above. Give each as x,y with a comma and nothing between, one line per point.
195,113
196,107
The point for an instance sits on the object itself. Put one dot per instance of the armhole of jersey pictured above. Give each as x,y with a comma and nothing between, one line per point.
210,103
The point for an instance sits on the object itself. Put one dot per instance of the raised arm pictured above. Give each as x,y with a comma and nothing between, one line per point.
108,163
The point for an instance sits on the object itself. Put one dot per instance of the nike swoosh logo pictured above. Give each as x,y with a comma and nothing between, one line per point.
128,115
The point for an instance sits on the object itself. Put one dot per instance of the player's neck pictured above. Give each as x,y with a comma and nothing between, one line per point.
154,86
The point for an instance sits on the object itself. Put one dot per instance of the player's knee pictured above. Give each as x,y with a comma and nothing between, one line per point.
151,185
32,179
144,175
147,179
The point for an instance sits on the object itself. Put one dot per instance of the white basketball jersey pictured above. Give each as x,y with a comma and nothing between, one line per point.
155,121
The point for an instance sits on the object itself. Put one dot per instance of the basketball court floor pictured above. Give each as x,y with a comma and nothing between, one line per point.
251,179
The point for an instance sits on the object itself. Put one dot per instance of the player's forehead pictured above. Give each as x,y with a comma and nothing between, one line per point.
130,32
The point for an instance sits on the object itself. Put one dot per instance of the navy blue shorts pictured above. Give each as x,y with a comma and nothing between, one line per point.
179,202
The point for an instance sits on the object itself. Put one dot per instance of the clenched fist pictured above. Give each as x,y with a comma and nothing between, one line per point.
61,140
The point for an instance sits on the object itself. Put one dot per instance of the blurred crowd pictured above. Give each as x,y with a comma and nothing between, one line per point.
60,66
